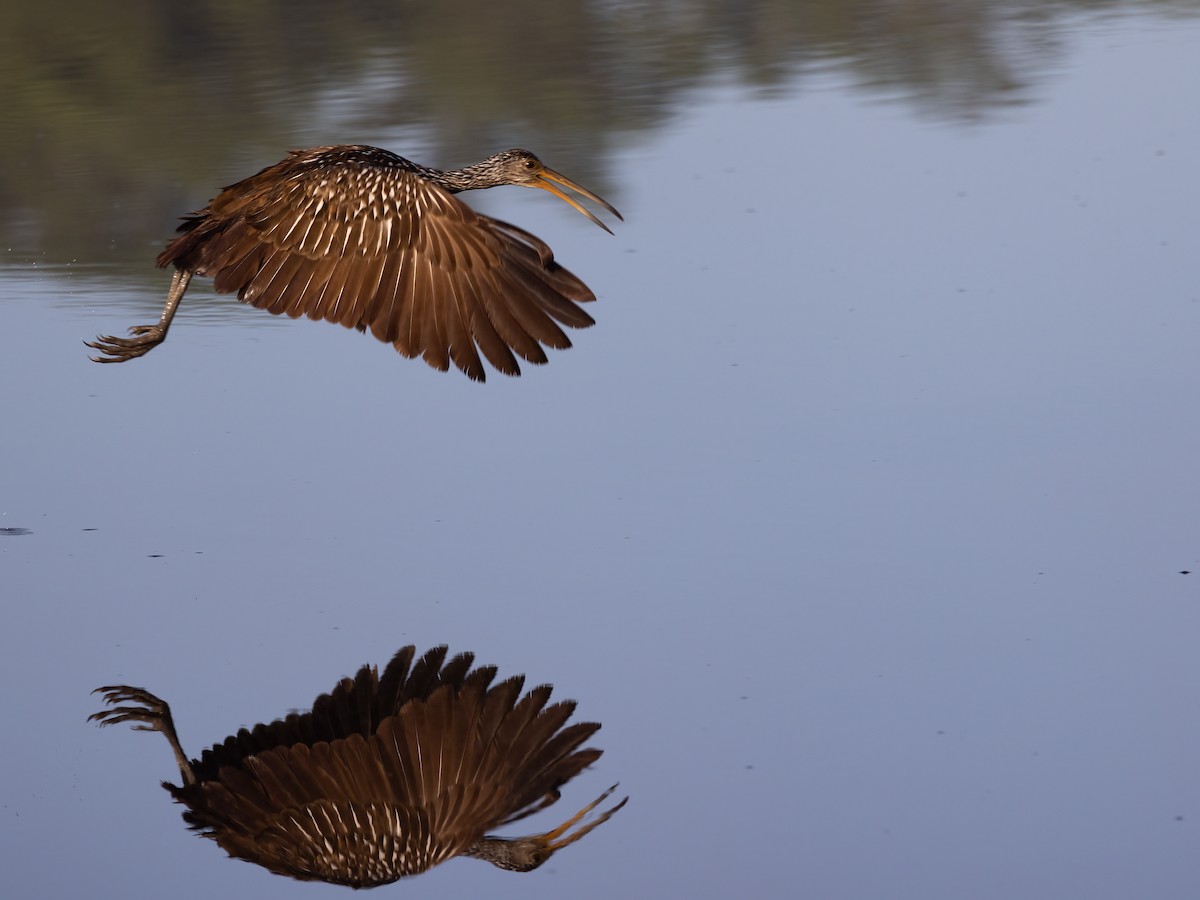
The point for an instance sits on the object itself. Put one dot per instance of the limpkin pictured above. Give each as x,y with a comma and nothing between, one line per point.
359,236
386,776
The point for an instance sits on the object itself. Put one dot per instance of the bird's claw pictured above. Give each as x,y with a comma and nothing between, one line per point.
151,712
115,349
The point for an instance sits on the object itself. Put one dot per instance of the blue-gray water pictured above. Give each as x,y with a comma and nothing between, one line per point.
860,519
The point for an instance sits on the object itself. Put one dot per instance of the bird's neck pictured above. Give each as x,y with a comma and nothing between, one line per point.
468,178
513,854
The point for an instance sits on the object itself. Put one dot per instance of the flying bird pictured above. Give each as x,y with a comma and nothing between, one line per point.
363,237
386,776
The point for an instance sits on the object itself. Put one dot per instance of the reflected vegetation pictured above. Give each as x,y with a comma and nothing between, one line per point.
115,122
386,776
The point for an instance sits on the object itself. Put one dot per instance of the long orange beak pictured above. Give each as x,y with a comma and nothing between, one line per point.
550,840
547,178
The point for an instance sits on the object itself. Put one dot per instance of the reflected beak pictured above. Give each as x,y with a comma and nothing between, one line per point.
546,180
550,840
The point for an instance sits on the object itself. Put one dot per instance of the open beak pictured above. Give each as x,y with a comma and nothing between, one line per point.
551,839
546,180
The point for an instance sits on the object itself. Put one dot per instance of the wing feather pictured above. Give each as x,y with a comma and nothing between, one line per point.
483,330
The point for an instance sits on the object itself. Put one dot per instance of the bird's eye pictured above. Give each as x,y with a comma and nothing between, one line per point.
530,164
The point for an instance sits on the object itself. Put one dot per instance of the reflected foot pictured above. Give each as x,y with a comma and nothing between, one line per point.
153,713
115,349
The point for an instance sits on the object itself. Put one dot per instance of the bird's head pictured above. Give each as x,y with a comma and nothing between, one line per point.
520,167
524,854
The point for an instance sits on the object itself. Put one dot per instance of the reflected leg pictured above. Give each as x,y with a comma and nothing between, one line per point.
153,713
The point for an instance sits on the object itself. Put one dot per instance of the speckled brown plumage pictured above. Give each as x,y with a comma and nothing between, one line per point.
386,776
359,236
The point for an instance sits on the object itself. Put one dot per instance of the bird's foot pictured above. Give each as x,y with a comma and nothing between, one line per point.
151,712
115,349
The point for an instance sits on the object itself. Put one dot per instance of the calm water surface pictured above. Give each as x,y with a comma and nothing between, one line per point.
861,518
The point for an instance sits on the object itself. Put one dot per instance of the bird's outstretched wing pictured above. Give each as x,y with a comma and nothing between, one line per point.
360,237
424,787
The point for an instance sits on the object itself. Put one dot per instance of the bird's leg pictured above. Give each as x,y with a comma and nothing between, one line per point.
115,349
153,713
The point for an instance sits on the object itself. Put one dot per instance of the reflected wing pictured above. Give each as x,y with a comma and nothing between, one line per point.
426,786
355,706
356,239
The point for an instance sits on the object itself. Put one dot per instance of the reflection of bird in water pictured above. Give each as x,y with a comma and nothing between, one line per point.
385,777
360,236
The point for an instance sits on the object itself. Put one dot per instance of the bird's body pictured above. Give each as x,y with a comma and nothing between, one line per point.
386,776
363,237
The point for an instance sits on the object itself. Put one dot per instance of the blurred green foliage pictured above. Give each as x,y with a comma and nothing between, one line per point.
120,117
